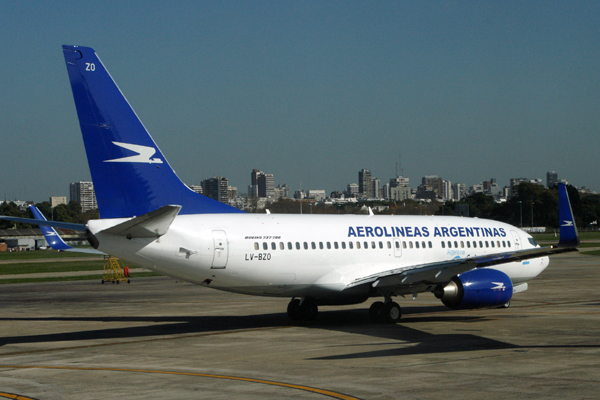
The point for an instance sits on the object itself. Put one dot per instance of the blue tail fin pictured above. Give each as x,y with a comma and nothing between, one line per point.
568,229
131,176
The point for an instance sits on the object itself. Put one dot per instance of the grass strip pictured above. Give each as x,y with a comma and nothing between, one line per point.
37,254
49,267
71,278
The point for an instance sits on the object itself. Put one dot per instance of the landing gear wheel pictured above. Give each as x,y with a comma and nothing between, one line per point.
293,310
391,312
310,310
306,310
375,311
505,305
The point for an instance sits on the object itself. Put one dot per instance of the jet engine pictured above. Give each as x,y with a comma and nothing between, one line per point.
478,288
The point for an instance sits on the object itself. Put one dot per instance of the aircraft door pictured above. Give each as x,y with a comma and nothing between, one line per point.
517,239
221,250
397,248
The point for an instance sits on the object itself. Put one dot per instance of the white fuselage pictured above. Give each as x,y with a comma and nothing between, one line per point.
312,255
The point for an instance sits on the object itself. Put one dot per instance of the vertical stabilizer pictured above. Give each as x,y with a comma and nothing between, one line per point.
131,176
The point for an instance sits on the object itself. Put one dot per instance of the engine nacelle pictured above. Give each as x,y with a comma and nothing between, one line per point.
478,288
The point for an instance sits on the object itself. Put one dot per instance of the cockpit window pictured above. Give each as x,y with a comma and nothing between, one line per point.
533,242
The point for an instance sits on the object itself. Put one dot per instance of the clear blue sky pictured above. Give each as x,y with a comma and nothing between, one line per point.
312,91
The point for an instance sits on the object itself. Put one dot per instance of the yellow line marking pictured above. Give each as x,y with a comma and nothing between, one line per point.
15,396
323,392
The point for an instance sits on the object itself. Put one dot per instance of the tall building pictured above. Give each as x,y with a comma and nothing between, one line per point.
551,178
282,192
216,188
446,190
376,188
365,184
56,201
83,193
262,185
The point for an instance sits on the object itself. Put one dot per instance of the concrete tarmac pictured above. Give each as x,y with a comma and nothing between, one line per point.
158,338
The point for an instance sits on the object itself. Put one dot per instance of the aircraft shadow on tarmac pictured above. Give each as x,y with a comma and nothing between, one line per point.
410,341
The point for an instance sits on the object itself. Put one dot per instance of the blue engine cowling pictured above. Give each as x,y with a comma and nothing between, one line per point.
478,288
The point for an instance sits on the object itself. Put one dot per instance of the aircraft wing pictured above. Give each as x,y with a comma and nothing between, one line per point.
53,238
439,272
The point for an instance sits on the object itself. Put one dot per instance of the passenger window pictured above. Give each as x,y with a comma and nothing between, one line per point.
313,245
417,245
443,244
455,244
410,244
503,243
350,244
281,246
397,245
508,243
462,244
265,246
487,244
273,245
468,244
358,245
305,246
335,245
423,245
430,245
498,243
297,245
328,245
381,245
449,244
289,245
372,245
256,247
389,245
475,243
321,245
366,246
492,243
344,245
480,244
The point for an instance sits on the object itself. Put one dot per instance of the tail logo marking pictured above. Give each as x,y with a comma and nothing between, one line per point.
567,223
143,154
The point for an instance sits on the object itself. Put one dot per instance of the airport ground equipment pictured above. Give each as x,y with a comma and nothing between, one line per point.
113,271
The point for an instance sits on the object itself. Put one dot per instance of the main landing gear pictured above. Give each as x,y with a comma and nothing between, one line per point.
388,312
305,309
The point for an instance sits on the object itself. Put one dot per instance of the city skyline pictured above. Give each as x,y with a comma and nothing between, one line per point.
311,90
219,188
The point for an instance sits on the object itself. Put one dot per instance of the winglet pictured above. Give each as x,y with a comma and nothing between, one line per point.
568,229
52,237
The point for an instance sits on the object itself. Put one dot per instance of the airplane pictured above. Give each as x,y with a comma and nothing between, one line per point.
53,238
149,217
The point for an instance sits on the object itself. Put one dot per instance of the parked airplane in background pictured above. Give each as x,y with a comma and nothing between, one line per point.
53,238
150,218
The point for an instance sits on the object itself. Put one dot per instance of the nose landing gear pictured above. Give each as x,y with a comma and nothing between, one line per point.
305,309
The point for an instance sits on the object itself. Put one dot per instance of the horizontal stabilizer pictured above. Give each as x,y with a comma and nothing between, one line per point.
151,225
